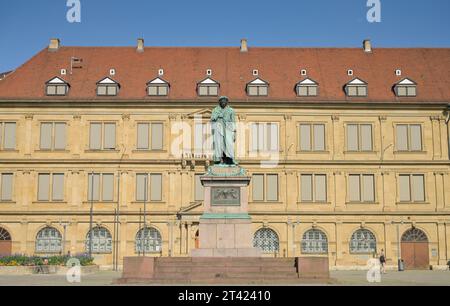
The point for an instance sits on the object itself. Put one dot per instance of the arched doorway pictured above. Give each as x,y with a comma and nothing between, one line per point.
197,240
5,242
415,249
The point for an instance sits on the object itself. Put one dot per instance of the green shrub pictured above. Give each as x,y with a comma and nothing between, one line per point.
57,260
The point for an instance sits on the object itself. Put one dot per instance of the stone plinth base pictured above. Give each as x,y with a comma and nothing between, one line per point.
313,267
242,252
138,267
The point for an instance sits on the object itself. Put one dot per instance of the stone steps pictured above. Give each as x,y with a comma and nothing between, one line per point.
224,269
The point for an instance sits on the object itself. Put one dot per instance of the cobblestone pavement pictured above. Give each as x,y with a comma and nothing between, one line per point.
407,278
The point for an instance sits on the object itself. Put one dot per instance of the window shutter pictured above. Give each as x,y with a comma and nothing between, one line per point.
58,187
95,136
319,137
156,187
366,137
320,188
94,182
110,136
272,187
108,187
354,188
46,136
369,188
352,137
418,188
262,145
416,137
258,187
198,188
402,137
10,136
143,136
140,187
273,137
404,188
60,136
157,136
43,187
152,90
305,137
6,187
306,187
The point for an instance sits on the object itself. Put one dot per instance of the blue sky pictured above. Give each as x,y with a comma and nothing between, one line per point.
26,26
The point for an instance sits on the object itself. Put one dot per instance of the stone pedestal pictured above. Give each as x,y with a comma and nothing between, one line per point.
225,226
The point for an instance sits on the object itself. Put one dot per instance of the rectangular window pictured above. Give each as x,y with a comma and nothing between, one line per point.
101,187
261,90
58,187
6,186
313,188
7,135
143,133
265,137
157,136
361,188
53,136
306,91
312,137
356,91
199,189
409,137
152,183
150,136
411,188
265,187
158,90
50,187
359,138
102,136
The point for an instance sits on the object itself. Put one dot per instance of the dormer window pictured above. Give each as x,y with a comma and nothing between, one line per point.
158,87
56,87
356,88
406,88
307,88
107,87
208,88
258,87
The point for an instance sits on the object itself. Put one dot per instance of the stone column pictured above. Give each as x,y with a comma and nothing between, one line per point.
336,150
75,134
24,237
340,185
28,144
339,241
442,244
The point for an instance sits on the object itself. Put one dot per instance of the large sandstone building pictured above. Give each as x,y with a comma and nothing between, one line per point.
348,150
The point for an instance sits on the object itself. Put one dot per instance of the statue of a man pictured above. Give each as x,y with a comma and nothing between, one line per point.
223,125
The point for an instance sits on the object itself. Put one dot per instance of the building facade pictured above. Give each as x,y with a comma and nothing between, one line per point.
348,150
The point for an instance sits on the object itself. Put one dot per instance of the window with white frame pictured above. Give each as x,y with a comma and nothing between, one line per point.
50,187
100,242
48,240
312,137
264,137
406,88
102,136
314,241
148,239
53,136
409,137
56,87
208,87
101,187
258,87
158,87
107,87
411,187
267,240
6,187
361,188
265,187
148,187
363,242
313,188
356,88
307,88
7,135
150,136
359,138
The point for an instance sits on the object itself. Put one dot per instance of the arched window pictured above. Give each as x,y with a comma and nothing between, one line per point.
363,242
414,235
267,240
101,240
48,240
314,242
148,239
4,235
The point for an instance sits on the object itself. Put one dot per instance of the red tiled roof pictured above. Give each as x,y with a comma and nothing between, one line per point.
184,67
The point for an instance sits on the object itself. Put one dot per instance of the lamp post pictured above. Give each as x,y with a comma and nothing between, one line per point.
91,214
399,253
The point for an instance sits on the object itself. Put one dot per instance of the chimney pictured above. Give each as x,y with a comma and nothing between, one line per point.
367,46
244,47
54,44
140,45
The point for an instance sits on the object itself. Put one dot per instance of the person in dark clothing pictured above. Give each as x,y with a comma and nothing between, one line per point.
382,262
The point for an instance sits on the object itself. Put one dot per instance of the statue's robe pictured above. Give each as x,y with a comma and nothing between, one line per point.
223,126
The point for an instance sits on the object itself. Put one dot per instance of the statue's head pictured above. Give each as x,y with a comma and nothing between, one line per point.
223,101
